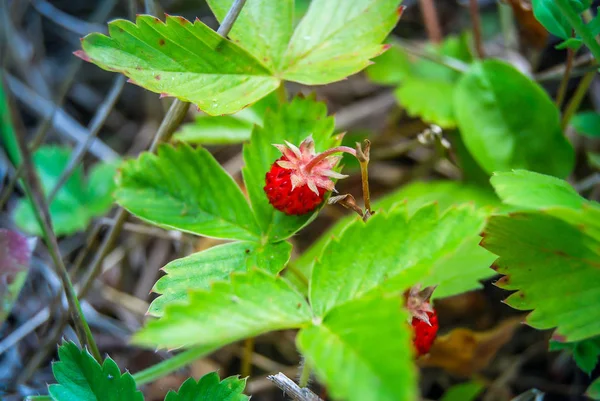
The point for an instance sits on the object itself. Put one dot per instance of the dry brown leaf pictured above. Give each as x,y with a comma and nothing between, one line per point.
463,352
531,30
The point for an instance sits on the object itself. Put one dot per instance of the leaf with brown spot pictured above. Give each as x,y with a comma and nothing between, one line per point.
463,352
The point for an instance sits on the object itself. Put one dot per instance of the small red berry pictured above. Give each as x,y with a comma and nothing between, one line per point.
424,318
424,332
297,182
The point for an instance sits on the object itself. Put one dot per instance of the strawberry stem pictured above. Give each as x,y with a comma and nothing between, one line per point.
321,156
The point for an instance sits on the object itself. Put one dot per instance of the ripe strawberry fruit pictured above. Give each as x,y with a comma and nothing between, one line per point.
424,332
424,318
297,182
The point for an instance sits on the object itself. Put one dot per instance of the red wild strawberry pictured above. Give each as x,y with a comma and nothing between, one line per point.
425,332
424,318
298,180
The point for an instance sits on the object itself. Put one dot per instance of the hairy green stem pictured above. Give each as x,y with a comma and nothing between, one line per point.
170,365
305,374
579,26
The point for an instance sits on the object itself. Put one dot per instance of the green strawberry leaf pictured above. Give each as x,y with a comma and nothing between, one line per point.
263,28
457,47
415,196
193,63
593,390
392,67
431,100
501,139
362,350
530,190
425,88
248,305
199,270
293,122
587,123
185,189
220,130
552,18
77,201
209,388
425,247
215,130
81,377
185,60
467,391
551,259
15,256
337,38
584,352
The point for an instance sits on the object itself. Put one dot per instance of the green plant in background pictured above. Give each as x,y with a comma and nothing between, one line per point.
78,200
346,294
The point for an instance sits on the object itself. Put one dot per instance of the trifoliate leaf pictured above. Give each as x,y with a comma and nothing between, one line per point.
415,196
337,38
199,270
185,189
293,122
587,123
81,377
263,28
423,247
248,305
235,128
500,139
430,100
77,201
552,260
191,62
530,190
584,352
185,60
209,388
362,350
15,255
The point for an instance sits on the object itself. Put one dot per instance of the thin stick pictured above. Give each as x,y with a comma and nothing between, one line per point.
292,389
432,22
230,18
449,62
476,22
557,72
564,83
34,191
577,98
94,128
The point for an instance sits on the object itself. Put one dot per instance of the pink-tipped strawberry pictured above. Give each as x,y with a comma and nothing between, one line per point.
298,181
424,318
